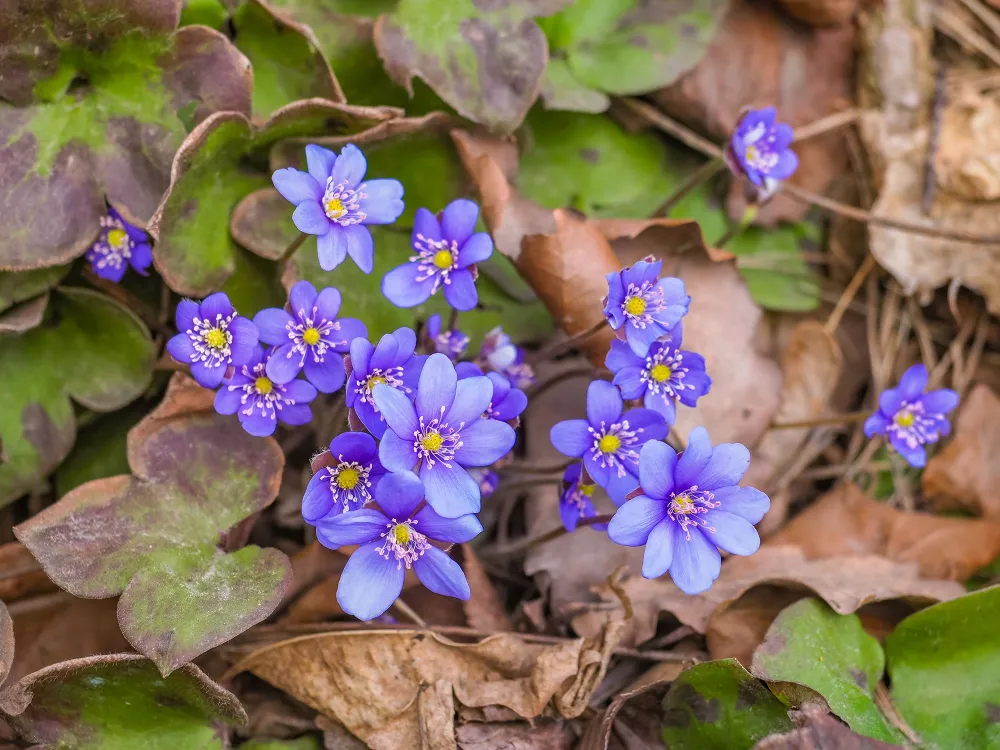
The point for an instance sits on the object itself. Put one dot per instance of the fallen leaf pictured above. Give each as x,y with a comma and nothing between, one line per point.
6,642
484,610
546,734
821,732
24,316
154,537
965,475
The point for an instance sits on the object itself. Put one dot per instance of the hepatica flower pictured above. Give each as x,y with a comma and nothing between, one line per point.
212,338
499,354
308,337
393,540
452,343
346,481
487,479
641,307
911,418
120,245
333,203
760,149
666,375
690,507
441,432
446,254
259,401
391,363
507,403
609,441
575,502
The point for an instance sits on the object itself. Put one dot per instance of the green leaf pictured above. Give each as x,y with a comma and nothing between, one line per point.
121,702
718,705
302,743
100,450
18,287
944,662
94,351
560,90
211,13
155,537
810,644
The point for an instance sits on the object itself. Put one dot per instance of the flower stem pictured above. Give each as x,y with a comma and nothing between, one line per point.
526,544
290,250
563,345
526,467
452,320
704,173
749,214
850,417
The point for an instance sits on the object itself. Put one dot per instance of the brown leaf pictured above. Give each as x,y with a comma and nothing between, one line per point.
821,12
965,475
821,732
6,642
546,734
484,610
25,316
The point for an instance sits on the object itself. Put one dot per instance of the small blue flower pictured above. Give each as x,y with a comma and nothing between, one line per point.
488,480
575,502
641,307
260,401
393,540
452,343
212,338
440,432
912,418
446,254
349,470
332,202
663,377
499,354
120,245
608,441
507,403
393,363
309,337
689,508
760,149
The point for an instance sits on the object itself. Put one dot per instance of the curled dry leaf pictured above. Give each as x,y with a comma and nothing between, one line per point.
546,734
966,474
390,688
6,642
154,537
484,610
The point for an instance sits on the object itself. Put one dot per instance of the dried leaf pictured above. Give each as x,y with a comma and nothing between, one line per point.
6,642
484,610
544,735
821,732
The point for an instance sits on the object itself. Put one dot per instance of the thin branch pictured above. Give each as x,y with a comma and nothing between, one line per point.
528,543
839,419
290,250
848,295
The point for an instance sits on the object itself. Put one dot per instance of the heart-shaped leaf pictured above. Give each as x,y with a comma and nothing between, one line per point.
154,537
120,702
101,97
92,350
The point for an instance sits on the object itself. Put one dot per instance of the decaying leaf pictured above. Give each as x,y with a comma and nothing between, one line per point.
544,735
6,642
155,537
821,732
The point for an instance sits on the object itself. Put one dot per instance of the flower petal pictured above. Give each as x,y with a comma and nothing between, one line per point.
915,455
629,380
476,249
647,424
940,402
450,492
350,329
436,388
731,532
284,364
460,291
319,162
395,453
696,564
441,574
662,404
620,486
425,227
357,527
326,304
453,530
259,424
396,409
726,467
659,552
245,340
227,400
472,396
876,424
657,462
385,352
181,348
635,520
571,437
271,325
317,501
215,306
295,186
458,220
350,167
187,311
913,382
621,356
370,583
512,406
484,442
354,446
383,203
309,217
207,377
332,248
360,246
328,376
296,414
604,404
693,459
787,163
361,354
889,401
399,494
401,288
406,343
746,502
640,339
600,473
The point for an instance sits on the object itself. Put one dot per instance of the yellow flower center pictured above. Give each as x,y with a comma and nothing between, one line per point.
347,479
117,238
432,441
443,259
310,336
609,444
215,338
263,385
401,532
683,504
904,419
334,208
660,373
586,489
635,305
752,154
374,380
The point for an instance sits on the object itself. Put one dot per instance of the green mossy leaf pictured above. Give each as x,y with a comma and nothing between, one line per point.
18,287
302,743
211,13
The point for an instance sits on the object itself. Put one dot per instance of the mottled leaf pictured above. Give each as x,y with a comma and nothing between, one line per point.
100,450
561,90
24,316
810,644
944,662
121,702
718,705
92,350
155,537
18,287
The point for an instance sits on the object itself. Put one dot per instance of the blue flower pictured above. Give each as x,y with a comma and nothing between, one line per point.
260,401
346,474
760,149
446,254
487,479
607,441
393,363
643,307
453,342
212,338
120,245
689,508
393,540
310,337
574,499
910,417
332,202
507,403
499,354
666,375
441,432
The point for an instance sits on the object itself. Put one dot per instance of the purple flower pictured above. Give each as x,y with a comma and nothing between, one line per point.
910,417
260,401
310,337
642,306
212,338
760,149
332,202
574,499
487,479
349,470
666,375
689,508
507,402
607,441
120,245
446,254
392,363
393,540
442,432
499,354
453,342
